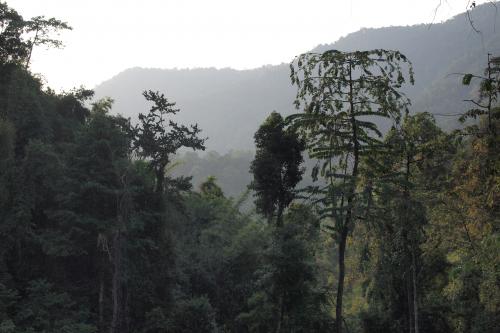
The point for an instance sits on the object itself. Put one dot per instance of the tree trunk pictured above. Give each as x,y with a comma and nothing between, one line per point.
279,216
160,177
341,275
279,240
104,257
412,291
101,301
408,297
350,202
414,278
115,286
118,322
28,60
282,313
490,98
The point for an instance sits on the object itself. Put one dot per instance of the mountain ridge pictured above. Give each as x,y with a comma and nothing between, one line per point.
229,104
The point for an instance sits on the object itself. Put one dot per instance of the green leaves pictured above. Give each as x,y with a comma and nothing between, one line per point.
489,87
466,79
472,113
341,94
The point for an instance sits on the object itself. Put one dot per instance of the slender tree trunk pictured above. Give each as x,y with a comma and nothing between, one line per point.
282,313
101,300
119,322
341,258
341,275
414,279
28,60
279,242
279,216
160,177
350,202
118,289
116,284
104,258
490,97
410,314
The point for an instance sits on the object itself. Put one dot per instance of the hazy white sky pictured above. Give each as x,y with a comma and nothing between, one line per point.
111,35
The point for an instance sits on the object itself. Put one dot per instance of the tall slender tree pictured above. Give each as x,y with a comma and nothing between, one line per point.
342,94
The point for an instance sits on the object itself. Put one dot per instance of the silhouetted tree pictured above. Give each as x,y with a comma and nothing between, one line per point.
276,167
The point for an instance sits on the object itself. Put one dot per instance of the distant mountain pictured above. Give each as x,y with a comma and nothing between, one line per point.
229,105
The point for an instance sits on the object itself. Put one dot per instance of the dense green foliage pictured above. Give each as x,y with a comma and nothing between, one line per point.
276,167
99,234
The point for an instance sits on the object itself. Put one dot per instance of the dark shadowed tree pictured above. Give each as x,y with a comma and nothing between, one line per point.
158,137
276,168
12,47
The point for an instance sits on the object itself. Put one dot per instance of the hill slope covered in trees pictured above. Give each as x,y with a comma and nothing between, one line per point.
229,104
96,234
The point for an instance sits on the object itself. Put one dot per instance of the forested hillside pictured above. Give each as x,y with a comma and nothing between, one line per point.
230,104
394,230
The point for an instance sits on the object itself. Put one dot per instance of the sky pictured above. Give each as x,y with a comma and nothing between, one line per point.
110,36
